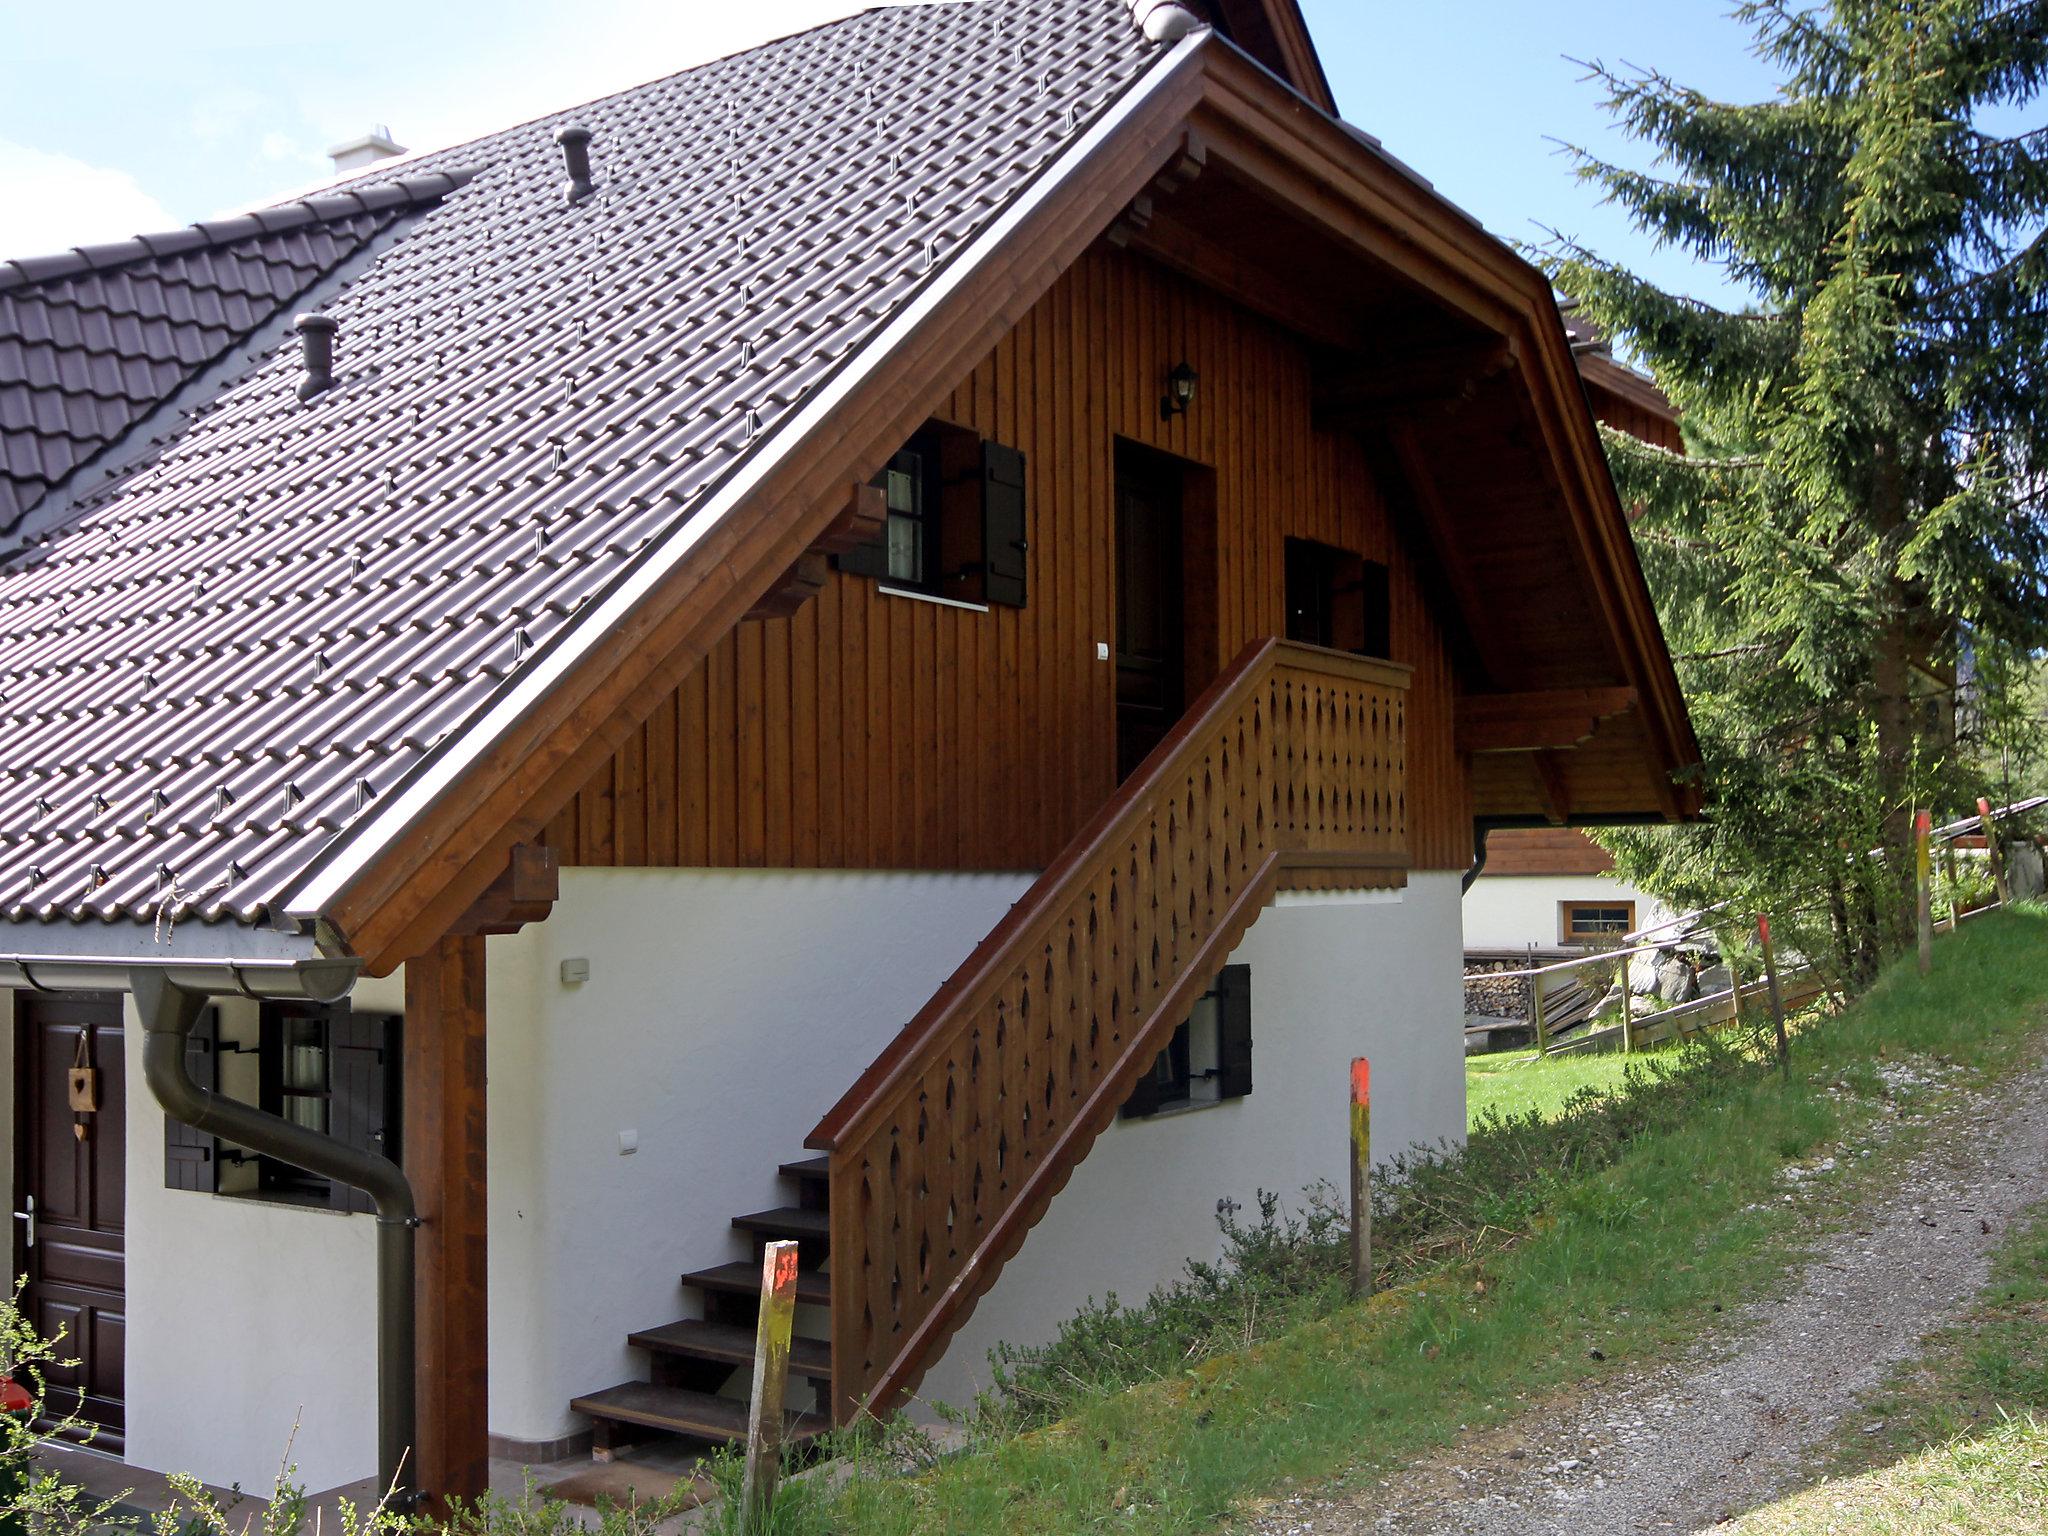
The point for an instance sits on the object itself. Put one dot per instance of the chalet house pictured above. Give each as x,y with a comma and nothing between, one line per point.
897,640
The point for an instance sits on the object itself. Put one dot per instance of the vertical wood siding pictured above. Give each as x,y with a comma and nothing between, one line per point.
874,731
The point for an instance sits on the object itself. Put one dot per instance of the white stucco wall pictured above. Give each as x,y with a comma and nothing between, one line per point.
1332,978
726,1011
1512,911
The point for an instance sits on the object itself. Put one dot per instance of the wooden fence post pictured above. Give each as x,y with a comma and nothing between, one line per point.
1991,848
1923,887
771,1380
1763,933
1628,1041
1361,1176
1536,1006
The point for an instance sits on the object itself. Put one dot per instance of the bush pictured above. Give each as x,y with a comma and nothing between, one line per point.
1431,1210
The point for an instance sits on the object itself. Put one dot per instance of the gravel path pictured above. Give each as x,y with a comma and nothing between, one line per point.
1688,1445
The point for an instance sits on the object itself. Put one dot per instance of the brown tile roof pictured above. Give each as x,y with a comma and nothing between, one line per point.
274,619
94,339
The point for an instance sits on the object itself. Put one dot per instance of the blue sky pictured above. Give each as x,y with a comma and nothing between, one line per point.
126,116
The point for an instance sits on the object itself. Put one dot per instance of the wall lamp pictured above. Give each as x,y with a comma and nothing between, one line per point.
1180,392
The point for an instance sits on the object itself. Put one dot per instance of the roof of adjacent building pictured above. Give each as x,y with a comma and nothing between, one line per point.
94,339
237,641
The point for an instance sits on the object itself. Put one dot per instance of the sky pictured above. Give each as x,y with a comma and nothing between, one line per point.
130,116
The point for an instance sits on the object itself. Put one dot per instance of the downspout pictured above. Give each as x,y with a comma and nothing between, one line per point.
168,1013
1480,827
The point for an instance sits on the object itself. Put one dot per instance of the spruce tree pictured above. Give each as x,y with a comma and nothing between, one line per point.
1860,512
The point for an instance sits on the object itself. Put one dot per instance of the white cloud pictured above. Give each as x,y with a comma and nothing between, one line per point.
54,202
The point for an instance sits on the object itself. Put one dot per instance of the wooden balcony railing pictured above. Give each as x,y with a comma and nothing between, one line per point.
951,1145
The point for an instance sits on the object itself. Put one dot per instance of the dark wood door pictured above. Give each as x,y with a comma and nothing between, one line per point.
1149,656
72,1254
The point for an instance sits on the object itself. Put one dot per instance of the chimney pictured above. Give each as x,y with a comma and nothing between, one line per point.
575,142
316,343
373,146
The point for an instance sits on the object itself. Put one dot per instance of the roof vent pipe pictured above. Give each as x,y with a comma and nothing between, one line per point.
316,336
1163,21
575,142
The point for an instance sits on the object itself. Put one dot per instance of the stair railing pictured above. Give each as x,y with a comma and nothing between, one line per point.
951,1145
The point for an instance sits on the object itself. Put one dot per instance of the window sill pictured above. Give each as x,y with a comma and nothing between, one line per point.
929,597
1175,1111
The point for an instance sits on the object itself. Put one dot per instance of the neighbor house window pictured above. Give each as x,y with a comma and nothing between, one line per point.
955,523
1209,1058
324,1067
1594,922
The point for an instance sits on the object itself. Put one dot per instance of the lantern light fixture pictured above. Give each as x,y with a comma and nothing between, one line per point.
1180,392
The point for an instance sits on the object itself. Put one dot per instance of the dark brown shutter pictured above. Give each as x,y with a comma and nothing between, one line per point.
363,1076
1379,612
1234,1032
192,1158
1002,523
1144,1099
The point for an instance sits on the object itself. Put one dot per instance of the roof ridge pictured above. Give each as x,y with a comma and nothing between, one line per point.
319,208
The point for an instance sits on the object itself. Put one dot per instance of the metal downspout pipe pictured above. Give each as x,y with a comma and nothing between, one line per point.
168,1013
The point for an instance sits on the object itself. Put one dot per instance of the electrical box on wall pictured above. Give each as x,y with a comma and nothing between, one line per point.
575,972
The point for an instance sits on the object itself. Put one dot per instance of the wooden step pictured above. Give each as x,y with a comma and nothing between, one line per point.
788,1221
730,1345
679,1411
814,1169
744,1279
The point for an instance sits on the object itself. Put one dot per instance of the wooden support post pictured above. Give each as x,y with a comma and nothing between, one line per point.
1763,933
1536,1008
777,1319
1923,887
1992,850
445,1159
1361,1176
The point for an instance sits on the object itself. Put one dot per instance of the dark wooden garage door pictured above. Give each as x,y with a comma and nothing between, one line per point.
72,1252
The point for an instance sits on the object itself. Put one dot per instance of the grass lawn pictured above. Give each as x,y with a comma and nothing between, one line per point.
1608,1268
1515,1082
1958,1439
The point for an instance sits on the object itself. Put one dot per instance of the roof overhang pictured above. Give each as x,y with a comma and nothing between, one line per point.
401,876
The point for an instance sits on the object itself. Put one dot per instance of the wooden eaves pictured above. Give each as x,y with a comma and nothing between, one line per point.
442,840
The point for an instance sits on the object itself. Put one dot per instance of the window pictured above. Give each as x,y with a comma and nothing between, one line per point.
1209,1058
955,520
327,1068
1337,599
1593,923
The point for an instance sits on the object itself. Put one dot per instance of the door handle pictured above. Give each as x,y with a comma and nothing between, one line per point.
28,1220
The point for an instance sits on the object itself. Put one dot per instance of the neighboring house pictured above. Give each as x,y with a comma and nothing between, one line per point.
949,606
1544,885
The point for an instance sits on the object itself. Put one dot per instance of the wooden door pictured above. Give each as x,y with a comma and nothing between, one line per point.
1149,656
72,1254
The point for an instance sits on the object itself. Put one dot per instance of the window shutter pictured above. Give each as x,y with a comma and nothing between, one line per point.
1144,1099
1003,544
1234,1064
363,1077
192,1158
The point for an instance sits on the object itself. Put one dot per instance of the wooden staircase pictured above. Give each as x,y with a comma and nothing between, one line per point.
1290,771
691,1362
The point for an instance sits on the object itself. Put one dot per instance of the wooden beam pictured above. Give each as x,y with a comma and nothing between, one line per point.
444,1153
1523,722
1363,393
1551,787
525,893
1243,279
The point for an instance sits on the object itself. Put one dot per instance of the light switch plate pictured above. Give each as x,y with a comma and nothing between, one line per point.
1102,650
629,1143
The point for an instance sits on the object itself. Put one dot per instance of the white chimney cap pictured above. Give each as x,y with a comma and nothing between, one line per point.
373,146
